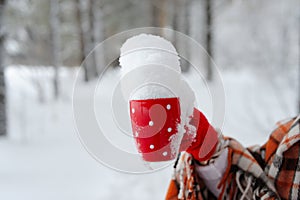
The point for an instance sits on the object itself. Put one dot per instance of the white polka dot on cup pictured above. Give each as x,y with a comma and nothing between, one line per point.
151,146
168,107
169,129
151,123
165,153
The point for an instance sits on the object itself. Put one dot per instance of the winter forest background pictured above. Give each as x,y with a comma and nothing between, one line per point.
254,43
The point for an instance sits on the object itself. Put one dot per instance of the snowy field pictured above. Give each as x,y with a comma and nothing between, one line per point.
43,159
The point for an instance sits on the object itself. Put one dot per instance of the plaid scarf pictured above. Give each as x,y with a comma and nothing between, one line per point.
271,171
283,164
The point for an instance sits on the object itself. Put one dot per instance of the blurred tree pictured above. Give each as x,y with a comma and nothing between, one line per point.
181,22
82,44
175,20
2,80
92,10
159,13
208,44
55,43
28,25
87,24
98,33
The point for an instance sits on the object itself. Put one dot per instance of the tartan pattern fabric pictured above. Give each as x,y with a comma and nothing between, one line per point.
284,164
245,178
271,171
185,183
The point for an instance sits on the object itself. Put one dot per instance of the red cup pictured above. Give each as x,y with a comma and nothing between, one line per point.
204,144
154,122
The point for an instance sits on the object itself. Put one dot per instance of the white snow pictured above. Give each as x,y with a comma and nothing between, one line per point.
43,158
146,49
155,62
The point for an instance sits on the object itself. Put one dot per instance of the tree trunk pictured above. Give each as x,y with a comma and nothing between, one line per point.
81,39
92,9
55,43
155,14
3,130
98,34
175,20
181,23
159,13
162,13
208,12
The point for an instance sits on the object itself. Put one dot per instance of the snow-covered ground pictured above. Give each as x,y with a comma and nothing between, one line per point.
43,159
